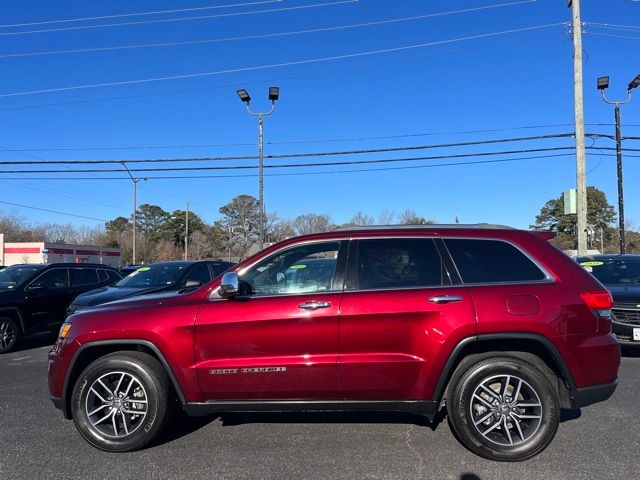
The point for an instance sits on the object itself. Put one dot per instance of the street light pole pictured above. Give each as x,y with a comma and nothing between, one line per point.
603,84
274,94
135,209
186,234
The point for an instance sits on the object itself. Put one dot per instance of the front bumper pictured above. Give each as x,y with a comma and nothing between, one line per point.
583,397
624,332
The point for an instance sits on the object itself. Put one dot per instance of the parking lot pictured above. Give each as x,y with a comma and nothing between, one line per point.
602,441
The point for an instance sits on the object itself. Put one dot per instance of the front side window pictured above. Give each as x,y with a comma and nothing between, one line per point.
83,276
492,261
399,263
303,269
54,279
198,275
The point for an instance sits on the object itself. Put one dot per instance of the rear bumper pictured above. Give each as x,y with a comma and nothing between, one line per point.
583,397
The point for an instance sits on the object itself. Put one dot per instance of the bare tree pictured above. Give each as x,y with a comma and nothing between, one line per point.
387,217
362,219
200,244
60,232
312,223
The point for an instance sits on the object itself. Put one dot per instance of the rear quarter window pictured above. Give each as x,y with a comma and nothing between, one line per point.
492,261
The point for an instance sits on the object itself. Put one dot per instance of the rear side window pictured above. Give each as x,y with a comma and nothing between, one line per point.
83,276
492,261
113,276
398,263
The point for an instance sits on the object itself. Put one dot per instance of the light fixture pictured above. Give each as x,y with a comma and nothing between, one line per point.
274,93
244,95
603,83
635,83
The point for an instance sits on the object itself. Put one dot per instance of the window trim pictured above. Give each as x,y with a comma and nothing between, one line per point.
548,277
49,270
352,276
338,278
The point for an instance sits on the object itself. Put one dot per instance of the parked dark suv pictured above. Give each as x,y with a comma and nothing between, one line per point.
494,323
621,275
153,278
34,298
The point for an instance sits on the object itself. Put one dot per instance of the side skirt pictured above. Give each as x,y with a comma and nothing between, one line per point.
417,407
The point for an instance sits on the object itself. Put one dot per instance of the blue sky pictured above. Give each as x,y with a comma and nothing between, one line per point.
497,82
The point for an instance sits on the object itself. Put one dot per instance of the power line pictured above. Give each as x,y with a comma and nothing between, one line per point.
297,165
265,81
279,65
52,211
157,12
180,19
268,35
290,155
613,25
179,177
614,36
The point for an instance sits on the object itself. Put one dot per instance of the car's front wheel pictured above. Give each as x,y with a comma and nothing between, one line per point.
8,334
504,409
120,401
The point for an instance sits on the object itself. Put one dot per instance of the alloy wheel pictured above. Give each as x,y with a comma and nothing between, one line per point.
506,410
116,404
7,334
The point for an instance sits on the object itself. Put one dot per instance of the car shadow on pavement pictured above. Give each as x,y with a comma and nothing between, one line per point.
35,341
632,351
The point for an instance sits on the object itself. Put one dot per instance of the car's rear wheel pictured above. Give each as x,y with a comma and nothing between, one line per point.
120,402
504,409
9,333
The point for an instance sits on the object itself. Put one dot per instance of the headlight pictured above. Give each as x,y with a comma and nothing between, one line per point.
64,330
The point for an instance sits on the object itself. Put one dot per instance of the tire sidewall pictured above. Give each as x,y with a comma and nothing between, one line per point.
473,439
155,410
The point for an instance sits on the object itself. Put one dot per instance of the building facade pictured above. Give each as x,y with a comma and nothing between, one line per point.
47,252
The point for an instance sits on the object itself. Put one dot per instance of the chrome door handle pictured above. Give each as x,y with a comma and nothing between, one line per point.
314,305
445,299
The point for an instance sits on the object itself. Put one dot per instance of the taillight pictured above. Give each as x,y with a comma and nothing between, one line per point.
600,302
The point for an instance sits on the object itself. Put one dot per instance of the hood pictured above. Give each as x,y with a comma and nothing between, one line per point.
110,294
625,293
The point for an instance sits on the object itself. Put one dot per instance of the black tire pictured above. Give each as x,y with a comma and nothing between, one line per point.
520,433
150,383
9,334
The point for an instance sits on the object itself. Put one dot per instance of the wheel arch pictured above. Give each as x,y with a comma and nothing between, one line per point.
535,349
91,351
16,314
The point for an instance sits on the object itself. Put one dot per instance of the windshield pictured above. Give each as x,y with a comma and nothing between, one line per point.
154,276
12,277
614,271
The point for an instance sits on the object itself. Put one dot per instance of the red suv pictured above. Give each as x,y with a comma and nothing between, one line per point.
494,324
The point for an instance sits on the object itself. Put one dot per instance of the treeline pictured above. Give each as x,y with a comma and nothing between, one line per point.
161,234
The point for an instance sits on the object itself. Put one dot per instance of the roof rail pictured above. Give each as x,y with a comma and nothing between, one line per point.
488,226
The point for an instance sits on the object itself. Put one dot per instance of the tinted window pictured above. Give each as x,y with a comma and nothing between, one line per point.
102,275
83,276
488,261
220,268
199,273
113,276
398,263
611,271
54,279
303,269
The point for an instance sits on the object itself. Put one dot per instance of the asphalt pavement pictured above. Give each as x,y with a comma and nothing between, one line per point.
599,442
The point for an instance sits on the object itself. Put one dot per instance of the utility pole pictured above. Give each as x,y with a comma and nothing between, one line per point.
581,177
186,233
603,84
274,94
135,209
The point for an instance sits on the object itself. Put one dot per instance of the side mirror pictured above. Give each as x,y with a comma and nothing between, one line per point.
38,286
229,285
192,283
